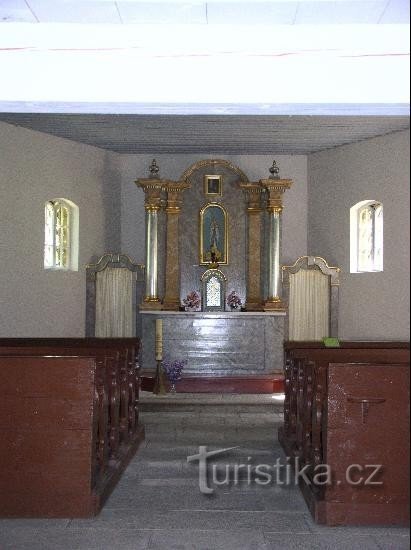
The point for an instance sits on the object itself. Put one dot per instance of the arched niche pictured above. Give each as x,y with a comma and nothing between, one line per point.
213,234
213,290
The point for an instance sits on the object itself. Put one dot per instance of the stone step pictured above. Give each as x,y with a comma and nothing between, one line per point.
205,434
239,497
217,404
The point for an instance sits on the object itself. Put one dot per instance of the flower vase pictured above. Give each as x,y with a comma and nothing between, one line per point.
172,388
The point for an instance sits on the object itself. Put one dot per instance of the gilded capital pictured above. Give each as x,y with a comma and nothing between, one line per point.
252,192
275,189
174,191
152,189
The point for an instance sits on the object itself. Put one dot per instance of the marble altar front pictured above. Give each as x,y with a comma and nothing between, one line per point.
217,344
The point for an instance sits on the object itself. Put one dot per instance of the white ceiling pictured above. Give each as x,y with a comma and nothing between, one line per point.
235,12
202,64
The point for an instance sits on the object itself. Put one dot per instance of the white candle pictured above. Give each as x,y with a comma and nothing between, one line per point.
159,339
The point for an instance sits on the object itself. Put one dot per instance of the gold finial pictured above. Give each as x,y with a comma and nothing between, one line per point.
274,171
154,170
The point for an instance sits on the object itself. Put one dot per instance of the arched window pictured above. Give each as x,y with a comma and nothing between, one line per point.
61,235
366,239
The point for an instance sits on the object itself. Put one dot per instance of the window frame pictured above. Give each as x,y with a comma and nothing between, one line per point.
70,246
376,252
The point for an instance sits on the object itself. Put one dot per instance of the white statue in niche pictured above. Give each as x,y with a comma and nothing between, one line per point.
214,234
214,252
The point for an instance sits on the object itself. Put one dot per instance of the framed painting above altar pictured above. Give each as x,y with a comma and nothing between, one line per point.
213,235
213,185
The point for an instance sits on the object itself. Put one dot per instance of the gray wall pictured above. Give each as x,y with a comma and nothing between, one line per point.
35,167
254,166
372,305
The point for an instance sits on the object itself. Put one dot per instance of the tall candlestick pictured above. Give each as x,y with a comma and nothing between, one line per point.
159,339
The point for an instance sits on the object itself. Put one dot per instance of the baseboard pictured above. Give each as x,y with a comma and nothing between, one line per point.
271,383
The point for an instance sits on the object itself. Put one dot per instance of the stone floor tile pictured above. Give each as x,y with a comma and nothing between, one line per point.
163,451
74,539
207,540
211,519
392,541
170,482
272,497
46,523
205,420
297,541
138,498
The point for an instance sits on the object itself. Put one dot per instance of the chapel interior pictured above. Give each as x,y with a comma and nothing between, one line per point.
181,273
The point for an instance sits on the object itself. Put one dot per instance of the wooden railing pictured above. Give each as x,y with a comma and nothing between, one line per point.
115,432
313,404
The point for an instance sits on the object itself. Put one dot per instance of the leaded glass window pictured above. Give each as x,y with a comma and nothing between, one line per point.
58,233
367,237
213,292
49,235
370,237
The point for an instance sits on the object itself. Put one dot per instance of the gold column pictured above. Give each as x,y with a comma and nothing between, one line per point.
252,193
172,275
275,187
152,188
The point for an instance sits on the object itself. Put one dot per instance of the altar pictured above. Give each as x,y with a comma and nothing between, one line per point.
213,271
218,343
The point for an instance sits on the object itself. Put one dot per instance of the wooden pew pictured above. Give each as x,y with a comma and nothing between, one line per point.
340,399
126,348
115,432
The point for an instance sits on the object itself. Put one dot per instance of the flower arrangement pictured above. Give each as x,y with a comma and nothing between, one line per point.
193,300
233,300
173,370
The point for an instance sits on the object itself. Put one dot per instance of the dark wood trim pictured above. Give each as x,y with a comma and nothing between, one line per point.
117,468
351,344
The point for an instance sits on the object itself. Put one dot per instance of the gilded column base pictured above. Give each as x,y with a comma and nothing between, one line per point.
150,304
171,305
253,305
274,304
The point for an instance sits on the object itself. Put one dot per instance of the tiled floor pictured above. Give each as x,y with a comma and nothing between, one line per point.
158,505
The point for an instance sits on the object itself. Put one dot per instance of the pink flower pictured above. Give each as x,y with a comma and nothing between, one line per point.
233,299
193,300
